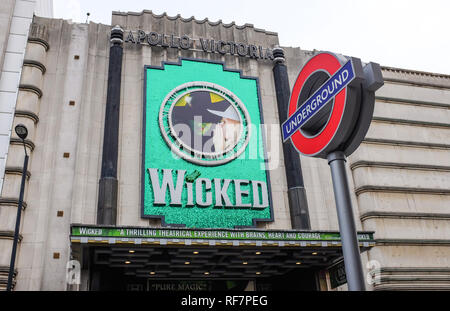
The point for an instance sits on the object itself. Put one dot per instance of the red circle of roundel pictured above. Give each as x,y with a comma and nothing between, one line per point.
312,146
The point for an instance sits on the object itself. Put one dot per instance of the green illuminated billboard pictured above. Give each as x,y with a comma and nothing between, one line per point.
203,163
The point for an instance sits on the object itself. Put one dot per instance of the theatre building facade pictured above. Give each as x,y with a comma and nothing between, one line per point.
157,163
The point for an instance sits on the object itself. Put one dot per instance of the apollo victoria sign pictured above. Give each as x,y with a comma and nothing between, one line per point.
184,42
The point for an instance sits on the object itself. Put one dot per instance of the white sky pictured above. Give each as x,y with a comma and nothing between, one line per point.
410,34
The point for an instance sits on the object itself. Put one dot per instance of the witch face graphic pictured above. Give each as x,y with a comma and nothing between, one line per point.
206,122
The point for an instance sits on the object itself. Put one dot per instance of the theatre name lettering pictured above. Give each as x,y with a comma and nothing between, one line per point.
202,44
247,193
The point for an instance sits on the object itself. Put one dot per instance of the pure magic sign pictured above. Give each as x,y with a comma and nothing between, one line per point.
199,129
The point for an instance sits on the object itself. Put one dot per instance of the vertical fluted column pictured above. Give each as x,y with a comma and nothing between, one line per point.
298,204
108,185
26,113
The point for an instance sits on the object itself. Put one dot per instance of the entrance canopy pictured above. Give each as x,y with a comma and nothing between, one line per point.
206,253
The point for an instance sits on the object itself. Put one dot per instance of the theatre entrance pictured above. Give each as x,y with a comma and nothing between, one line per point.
130,259
164,268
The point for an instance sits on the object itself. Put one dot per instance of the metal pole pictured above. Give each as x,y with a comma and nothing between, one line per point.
347,228
19,215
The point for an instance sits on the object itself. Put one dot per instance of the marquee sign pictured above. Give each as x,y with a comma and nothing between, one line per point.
203,153
210,234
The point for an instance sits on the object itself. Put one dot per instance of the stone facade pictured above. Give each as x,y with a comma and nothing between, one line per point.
399,177
15,20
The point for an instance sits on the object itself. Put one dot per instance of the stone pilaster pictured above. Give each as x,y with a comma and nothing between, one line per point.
26,113
298,205
108,185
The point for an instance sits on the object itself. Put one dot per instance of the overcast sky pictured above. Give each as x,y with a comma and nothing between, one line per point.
410,34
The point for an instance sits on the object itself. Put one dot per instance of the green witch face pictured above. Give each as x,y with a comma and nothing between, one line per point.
209,122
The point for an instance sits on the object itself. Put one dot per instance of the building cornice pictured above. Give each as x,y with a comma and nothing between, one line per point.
28,143
8,235
31,88
411,122
402,143
403,215
415,72
411,102
416,78
397,165
412,242
33,63
192,18
12,201
17,171
39,34
394,189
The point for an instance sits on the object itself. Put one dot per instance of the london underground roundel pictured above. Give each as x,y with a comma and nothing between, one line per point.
324,105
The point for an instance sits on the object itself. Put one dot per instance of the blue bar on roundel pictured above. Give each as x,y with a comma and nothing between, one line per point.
318,100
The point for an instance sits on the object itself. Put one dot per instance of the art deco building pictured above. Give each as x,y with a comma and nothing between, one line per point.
117,198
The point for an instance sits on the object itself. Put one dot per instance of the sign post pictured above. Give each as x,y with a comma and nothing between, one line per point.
350,248
330,111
